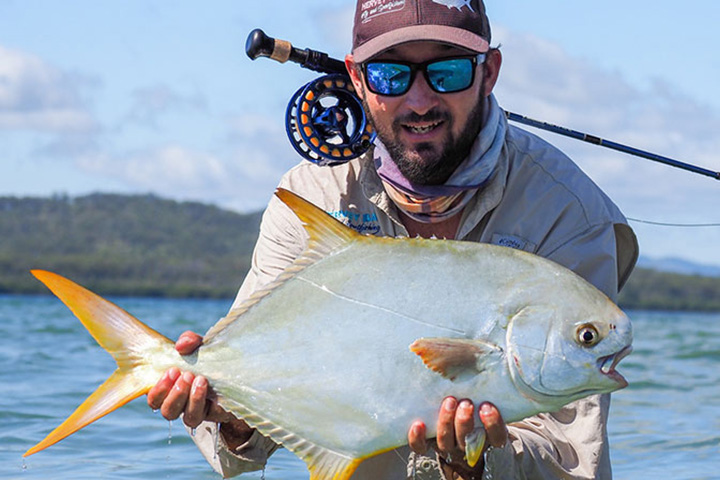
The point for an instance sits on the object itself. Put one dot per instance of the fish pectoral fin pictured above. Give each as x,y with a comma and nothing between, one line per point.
451,357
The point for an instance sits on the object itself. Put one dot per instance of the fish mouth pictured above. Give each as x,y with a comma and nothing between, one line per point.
607,365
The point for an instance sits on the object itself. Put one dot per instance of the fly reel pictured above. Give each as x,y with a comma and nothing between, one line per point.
326,123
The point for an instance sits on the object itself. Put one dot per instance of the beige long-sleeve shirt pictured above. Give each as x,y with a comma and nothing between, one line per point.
537,200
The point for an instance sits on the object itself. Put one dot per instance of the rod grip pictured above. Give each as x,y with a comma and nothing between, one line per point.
282,51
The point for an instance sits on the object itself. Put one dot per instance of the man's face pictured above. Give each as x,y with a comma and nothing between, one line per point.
428,134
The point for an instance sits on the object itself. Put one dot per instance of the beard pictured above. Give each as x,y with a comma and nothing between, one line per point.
426,163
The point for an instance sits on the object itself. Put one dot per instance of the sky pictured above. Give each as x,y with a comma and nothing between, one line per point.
150,96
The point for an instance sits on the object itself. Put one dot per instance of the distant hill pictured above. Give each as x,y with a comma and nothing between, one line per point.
649,289
672,284
678,265
125,245
148,246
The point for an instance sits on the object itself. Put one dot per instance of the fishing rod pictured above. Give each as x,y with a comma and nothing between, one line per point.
334,133
610,144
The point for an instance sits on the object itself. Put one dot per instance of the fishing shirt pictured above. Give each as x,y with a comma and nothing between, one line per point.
536,200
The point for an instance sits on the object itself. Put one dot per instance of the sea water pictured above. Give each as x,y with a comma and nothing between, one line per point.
666,424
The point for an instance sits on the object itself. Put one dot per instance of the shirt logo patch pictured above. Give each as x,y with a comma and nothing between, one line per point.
365,223
513,241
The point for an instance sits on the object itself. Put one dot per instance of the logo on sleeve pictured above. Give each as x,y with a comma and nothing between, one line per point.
513,241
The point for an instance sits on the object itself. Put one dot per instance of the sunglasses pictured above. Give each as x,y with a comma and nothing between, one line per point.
394,78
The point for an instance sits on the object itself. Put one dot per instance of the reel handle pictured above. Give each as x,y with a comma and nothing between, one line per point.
259,44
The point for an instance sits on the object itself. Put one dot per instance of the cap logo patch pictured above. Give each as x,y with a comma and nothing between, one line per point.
459,4
373,8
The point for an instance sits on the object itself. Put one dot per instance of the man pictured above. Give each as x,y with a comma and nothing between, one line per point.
445,164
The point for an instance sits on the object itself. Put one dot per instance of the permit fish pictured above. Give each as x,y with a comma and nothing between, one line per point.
363,335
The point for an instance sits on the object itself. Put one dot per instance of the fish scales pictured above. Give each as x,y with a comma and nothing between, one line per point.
364,335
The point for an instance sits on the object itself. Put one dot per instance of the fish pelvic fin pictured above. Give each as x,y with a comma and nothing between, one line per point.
127,339
475,444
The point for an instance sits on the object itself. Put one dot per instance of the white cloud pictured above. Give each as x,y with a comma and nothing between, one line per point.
36,96
542,81
169,170
241,176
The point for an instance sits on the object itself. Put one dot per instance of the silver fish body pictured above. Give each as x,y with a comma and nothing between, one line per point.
327,354
361,336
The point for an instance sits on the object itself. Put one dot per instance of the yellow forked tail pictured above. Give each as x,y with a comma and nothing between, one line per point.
129,341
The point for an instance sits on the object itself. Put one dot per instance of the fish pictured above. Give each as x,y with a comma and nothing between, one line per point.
362,335
459,4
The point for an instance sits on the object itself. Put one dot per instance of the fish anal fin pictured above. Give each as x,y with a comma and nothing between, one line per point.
329,466
326,465
452,357
323,463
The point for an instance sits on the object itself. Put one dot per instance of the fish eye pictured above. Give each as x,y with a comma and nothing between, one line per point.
588,335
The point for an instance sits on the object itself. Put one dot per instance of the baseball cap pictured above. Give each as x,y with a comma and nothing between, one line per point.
383,24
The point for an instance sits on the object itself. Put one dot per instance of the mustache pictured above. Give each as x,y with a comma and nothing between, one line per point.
433,115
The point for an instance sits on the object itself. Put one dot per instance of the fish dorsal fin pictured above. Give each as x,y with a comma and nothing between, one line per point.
323,464
326,233
452,357
326,236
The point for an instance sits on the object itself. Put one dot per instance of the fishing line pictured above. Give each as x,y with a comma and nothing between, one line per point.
680,225
378,307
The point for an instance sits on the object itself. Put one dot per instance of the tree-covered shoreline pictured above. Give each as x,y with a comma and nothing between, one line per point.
138,245
143,245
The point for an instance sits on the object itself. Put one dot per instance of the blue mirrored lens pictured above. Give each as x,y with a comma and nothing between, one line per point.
450,75
444,76
388,78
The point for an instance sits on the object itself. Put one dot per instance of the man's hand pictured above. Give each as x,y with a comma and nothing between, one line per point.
455,421
182,393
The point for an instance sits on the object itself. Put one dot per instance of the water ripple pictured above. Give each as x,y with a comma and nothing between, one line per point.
664,425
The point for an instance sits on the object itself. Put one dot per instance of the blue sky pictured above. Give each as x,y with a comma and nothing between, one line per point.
155,96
